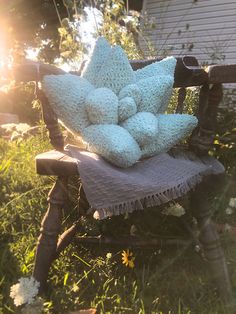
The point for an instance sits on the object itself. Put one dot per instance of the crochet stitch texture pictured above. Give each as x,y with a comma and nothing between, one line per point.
102,106
143,126
172,128
118,145
67,94
126,108
119,112
101,52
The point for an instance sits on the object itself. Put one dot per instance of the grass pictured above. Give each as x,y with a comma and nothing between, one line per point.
164,281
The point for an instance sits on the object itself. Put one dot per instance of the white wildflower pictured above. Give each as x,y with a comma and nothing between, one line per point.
24,291
174,210
22,127
232,202
115,6
197,248
75,288
229,211
109,255
227,228
133,230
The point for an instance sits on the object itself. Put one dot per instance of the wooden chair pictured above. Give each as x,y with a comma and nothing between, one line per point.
58,163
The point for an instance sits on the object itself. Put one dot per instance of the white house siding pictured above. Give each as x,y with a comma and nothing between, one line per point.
203,28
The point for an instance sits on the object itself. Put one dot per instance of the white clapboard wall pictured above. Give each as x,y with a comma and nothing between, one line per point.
203,28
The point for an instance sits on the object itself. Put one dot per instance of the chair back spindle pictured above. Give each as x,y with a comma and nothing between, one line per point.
51,122
181,99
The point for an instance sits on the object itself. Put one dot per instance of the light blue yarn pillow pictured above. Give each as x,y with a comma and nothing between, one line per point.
143,127
159,68
116,72
133,91
102,106
156,92
126,108
99,56
172,129
119,112
67,94
112,142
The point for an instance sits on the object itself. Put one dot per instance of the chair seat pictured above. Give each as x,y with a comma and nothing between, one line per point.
55,163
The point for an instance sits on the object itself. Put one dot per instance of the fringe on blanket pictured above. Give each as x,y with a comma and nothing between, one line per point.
191,171
148,201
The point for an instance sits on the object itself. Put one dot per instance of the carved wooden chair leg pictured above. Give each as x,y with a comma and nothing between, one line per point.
51,225
192,231
209,238
68,235
215,257
66,238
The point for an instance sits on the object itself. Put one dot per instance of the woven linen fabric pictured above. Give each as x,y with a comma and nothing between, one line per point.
150,182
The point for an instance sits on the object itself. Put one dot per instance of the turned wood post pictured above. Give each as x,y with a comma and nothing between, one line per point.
201,142
181,99
203,136
209,237
50,229
51,121
69,234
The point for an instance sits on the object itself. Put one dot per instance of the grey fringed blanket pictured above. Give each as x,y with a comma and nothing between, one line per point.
154,181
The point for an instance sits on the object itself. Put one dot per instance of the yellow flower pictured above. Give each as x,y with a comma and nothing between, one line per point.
109,255
128,258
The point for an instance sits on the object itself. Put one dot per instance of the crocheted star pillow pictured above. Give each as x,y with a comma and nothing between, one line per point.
119,112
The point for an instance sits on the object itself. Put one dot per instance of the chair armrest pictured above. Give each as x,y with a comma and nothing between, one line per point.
55,163
222,73
188,72
34,71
